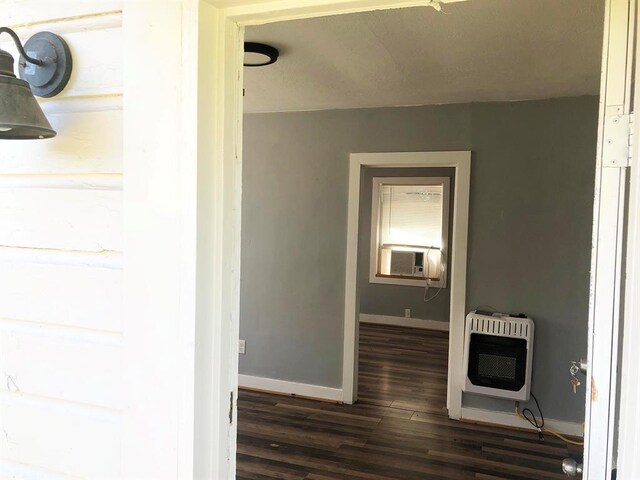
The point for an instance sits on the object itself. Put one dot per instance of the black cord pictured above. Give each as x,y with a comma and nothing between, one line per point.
528,414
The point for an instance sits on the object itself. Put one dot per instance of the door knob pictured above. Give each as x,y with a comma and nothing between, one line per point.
571,468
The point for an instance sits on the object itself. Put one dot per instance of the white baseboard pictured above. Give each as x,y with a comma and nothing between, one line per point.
404,322
508,419
290,388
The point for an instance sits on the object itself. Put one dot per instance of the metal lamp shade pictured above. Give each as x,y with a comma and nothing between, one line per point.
21,118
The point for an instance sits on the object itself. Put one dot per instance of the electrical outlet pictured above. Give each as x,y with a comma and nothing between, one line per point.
241,347
407,313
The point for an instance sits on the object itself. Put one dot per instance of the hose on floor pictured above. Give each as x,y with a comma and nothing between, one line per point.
529,416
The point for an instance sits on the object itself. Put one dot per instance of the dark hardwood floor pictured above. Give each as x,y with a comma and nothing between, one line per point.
398,429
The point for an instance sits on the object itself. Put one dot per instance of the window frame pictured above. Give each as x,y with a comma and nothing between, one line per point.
377,182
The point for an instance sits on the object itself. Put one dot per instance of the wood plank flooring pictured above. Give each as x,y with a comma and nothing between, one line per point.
398,429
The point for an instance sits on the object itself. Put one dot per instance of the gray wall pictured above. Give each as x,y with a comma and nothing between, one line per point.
529,232
381,299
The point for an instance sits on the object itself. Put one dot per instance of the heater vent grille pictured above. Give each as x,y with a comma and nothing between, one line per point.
502,326
496,366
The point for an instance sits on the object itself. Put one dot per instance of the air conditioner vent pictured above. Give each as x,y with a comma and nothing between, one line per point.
402,263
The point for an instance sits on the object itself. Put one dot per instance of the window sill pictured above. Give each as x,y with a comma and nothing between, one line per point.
405,281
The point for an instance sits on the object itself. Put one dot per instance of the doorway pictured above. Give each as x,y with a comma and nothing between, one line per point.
456,166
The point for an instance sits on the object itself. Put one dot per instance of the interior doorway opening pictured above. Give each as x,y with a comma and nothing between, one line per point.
374,297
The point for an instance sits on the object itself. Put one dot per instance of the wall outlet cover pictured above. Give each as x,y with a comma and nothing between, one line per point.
241,347
407,313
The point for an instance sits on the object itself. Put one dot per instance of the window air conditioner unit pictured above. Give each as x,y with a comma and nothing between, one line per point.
406,263
498,355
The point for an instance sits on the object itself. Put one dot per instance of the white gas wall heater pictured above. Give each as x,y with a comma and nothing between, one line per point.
498,355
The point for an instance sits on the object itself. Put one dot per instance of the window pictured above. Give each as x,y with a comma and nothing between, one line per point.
409,230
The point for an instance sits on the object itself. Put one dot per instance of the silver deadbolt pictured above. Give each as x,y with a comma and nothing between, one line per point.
583,366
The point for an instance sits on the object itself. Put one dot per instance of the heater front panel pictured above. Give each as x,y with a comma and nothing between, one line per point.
497,362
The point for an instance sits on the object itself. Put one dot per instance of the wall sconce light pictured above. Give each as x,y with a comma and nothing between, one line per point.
44,68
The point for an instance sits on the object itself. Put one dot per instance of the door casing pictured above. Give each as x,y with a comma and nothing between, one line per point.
219,184
461,162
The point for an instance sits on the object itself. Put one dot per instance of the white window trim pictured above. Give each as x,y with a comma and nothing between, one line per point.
375,230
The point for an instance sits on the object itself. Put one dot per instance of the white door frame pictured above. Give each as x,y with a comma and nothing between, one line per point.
608,243
214,105
461,161
628,461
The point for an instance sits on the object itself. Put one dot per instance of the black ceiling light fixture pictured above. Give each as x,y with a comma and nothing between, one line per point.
259,54
44,68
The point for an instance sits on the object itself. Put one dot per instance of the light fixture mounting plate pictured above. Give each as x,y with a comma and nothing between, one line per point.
50,78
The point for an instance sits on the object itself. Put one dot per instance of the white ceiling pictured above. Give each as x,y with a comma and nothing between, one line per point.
476,51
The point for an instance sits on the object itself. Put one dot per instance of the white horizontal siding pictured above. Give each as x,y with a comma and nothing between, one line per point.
17,471
72,296
62,384
86,220
58,361
60,436
21,12
80,147
100,54
97,61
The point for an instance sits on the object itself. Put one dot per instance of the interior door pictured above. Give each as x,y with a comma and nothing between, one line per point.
610,209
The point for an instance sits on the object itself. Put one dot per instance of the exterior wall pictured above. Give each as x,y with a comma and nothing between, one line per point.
134,158
529,232
61,242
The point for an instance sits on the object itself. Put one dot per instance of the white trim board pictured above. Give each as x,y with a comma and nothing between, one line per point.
461,161
259,12
375,259
606,286
290,388
628,461
508,419
404,322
